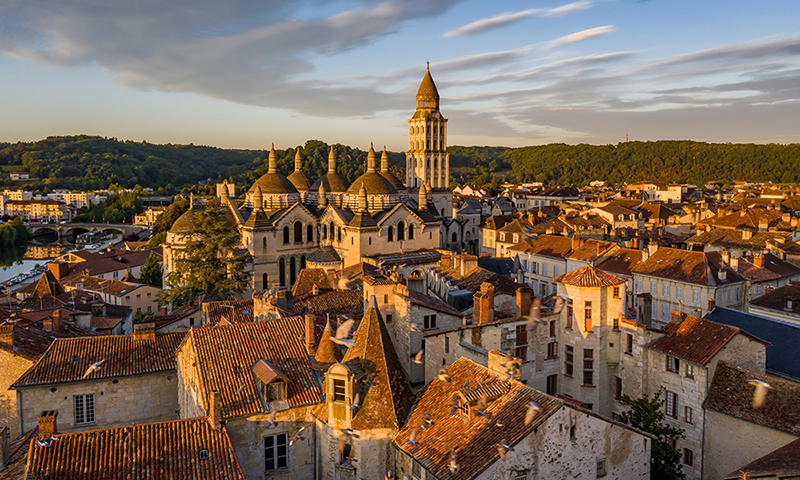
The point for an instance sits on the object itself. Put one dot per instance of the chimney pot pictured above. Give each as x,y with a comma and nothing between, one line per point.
711,304
758,260
214,413
47,423
677,316
524,295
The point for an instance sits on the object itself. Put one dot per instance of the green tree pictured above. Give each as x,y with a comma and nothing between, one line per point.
208,263
151,273
165,220
647,414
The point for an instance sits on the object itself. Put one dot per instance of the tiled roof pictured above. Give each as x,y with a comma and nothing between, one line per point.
30,340
730,238
164,450
68,358
657,210
432,302
750,218
234,311
779,464
622,261
730,394
309,277
349,303
387,403
18,456
326,254
474,441
776,299
694,339
548,245
754,273
688,266
352,276
783,336
591,249
111,262
162,321
589,276
773,264
90,283
225,355
74,300
472,280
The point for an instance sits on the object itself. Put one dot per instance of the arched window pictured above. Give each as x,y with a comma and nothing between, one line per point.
411,231
455,237
332,232
265,243
310,233
302,262
298,232
339,234
264,281
391,234
325,232
435,162
285,235
282,271
401,230
292,271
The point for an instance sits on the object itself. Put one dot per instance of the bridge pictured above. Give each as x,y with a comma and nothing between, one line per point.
72,230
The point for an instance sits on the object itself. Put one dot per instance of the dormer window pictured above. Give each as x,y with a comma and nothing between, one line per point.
338,390
276,391
789,304
272,383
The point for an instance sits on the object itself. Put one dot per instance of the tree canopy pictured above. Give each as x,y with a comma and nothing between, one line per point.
165,220
151,273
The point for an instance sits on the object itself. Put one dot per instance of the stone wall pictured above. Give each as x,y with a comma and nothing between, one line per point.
117,402
372,451
13,368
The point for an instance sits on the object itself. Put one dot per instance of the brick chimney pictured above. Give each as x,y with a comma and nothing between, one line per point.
58,320
524,295
468,264
758,260
7,335
576,242
144,331
47,423
214,410
763,224
310,330
483,304
711,304
747,234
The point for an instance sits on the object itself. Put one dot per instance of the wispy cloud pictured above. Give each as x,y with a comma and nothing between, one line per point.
580,36
505,19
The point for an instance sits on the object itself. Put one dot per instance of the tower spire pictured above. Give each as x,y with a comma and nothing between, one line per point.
273,161
331,161
298,161
371,159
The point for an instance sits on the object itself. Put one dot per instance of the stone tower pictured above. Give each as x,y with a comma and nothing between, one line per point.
427,161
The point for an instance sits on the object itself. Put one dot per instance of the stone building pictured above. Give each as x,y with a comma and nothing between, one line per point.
287,223
135,383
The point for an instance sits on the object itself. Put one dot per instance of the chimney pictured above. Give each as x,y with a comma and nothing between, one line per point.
47,325
416,284
311,323
652,248
468,263
58,325
47,423
726,257
711,304
483,304
7,335
524,295
163,309
576,242
214,413
735,262
3,447
786,217
758,260
723,274
59,270
763,224
144,331
284,299
635,243
676,316
747,234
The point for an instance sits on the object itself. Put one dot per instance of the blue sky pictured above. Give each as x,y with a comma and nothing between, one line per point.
247,73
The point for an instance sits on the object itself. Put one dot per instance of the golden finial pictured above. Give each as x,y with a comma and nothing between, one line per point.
428,66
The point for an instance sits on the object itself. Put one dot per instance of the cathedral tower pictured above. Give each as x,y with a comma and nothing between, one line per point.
427,161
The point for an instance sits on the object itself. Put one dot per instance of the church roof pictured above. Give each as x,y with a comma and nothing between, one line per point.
258,219
374,182
274,183
333,182
362,220
396,183
427,88
188,221
299,180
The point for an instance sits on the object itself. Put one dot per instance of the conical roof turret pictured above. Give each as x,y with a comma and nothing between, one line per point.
371,160
272,164
428,94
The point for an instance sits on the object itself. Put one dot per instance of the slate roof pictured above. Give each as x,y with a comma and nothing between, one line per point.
730,394
695,340
589,276
432,302
326,254
164,450
68,358
781,463
234,311
688,266
475,440
776,299
783,336
225,355
387,403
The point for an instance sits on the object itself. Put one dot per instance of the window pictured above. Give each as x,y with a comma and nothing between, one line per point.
310,233
652,287
572,432
664,311
665,291
282,271
276,391
696,296
601,467
569,317
521,352
671,442
673,364
386,299
555,270
552,328
138,295
521,334
285,235
338,390
298,232
679,292
672,404
615,324
275,452
416,471
552,384
617,388
588,366
388,318
568,354
191,321
629,344
616,292
401,230
446,344
84,408
688,457
687,415
391,234
544,290
430,321
689,371
587,316
638,285
552,350
535,267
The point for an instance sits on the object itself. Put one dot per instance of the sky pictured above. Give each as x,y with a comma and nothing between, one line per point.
248,73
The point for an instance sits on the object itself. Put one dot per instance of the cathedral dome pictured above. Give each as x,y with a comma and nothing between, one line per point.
388,175
332,181
189,221
272,182
298,178
374,182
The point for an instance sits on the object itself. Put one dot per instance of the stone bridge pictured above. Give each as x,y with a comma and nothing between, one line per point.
72,230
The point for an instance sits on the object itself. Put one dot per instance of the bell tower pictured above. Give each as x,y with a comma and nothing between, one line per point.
427,160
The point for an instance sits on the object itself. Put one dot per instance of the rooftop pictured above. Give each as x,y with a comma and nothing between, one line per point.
589,276
702,268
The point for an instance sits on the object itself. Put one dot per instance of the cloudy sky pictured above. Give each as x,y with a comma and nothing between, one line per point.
246,73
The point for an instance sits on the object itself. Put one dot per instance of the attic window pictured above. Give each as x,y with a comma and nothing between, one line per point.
788,304
271,381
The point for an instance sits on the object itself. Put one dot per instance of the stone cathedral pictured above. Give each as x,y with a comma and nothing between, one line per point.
288,223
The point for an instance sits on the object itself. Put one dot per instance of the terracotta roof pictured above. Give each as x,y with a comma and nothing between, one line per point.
225,355
688,266
589,276
591,249
547,245
622,261
327,352
472,280
731,238
656,210
68,358
110,262
234,311
30,340
18,456
694,339
431,302
730,394
781,463
97,284
387,403
773,264
474,441
776,299
353,275
750,218
309,277
348,303
163,450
